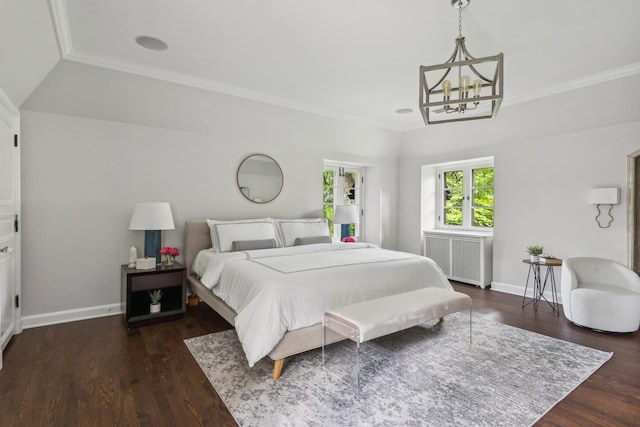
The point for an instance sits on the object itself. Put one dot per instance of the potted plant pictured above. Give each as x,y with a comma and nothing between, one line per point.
534,251
155,300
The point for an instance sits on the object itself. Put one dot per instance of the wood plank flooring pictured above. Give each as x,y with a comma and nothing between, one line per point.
98,373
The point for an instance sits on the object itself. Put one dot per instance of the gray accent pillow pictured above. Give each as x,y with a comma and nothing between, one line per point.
249,245
311,240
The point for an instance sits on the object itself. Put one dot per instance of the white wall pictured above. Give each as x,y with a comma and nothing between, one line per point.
81,178
95,141
541,187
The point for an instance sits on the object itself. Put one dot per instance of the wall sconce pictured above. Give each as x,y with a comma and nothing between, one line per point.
604,196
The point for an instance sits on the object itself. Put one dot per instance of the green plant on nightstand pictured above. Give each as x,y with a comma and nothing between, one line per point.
535,251
155,296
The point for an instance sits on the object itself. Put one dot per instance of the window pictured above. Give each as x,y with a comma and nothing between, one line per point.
342,185
465,196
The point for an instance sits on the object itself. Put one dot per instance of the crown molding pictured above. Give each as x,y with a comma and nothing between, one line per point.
593,79
213,86
60,18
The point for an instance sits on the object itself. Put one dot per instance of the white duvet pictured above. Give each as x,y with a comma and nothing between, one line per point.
278,290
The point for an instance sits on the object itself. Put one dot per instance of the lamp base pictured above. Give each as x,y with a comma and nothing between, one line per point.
345,231
152,244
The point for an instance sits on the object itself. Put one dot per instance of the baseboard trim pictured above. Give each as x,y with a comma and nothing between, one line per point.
519,290
65,316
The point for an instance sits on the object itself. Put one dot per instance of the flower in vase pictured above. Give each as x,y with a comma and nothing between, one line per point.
169,254
349,239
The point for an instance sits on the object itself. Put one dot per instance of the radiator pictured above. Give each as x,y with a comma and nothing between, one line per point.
465,257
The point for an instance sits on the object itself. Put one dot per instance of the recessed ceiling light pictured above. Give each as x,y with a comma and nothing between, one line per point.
404,111
151,43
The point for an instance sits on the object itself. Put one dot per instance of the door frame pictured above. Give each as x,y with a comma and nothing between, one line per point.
10,116
633,211
361,171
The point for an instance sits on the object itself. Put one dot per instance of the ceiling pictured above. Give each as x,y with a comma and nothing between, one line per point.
355,59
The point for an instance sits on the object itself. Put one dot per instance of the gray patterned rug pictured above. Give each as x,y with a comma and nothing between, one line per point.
422,376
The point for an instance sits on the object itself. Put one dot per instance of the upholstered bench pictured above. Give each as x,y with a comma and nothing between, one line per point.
366,320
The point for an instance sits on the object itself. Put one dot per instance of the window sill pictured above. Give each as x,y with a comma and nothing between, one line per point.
469,233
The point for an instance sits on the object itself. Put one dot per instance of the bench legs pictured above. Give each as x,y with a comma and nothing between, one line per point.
346,331
471,324
277,368
353,333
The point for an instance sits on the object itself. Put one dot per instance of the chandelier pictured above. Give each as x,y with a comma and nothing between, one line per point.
465,88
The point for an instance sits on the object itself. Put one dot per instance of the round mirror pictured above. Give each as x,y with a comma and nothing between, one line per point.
259,178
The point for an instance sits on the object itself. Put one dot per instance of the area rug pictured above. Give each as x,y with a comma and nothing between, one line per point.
424,376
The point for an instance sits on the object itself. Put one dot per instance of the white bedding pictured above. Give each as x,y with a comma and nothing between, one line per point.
278,290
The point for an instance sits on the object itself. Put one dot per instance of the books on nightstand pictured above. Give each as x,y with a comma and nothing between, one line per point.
545,257
548,259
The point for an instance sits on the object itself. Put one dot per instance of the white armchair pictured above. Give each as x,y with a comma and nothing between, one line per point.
600,294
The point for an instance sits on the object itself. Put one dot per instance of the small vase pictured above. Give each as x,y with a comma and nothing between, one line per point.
168,261
154,308
535,258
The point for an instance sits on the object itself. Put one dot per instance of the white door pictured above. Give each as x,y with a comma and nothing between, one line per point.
9,244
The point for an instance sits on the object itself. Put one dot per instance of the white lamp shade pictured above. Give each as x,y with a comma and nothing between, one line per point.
152,216
346,214
604,196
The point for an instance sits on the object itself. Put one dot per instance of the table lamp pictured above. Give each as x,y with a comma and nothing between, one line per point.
345,215
152,217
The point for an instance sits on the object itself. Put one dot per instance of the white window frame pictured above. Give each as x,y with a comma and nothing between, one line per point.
340,169
467,168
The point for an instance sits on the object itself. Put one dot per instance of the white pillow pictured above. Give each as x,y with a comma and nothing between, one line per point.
290,229
224,233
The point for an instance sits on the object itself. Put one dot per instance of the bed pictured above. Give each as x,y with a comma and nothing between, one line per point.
255,288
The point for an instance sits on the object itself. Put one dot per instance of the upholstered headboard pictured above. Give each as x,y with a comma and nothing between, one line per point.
196,238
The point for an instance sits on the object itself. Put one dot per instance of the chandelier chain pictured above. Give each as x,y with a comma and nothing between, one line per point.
460,18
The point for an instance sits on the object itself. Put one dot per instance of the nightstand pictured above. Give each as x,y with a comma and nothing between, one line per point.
136,285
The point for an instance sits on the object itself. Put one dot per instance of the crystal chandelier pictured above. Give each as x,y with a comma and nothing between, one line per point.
465,88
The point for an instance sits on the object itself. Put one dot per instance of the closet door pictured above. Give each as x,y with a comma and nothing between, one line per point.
9,175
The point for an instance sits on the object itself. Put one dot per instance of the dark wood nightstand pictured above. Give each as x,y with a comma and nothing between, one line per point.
135,293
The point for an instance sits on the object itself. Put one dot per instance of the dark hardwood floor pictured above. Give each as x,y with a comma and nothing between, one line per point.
98,373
